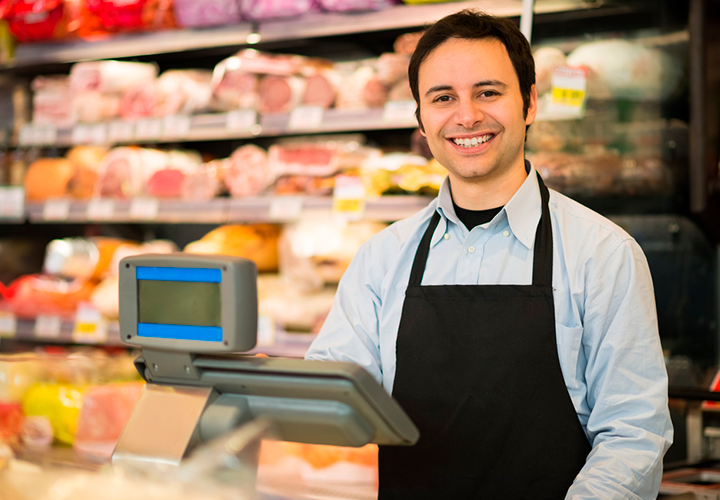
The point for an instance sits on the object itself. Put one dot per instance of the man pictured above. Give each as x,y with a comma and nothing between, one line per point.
516,327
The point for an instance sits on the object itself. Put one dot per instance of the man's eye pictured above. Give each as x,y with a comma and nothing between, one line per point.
489,93
442,98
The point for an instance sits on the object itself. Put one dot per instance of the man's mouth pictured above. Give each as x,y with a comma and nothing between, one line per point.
473,141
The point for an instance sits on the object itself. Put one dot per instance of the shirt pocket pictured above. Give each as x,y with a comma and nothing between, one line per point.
568,346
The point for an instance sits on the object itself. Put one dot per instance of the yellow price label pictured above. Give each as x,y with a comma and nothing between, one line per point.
568,97
85,327
347,205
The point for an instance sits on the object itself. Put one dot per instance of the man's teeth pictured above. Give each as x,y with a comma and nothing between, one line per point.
470,143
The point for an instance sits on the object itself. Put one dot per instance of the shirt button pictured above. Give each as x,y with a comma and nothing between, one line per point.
506,233
471,249
446,236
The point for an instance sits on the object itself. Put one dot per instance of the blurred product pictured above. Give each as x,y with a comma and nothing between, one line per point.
270,9
280,94
87,258
304,184
206,183
169,182
353,5
34,20
317,159
140,101
48,178
201,13
405,44
19,256
134,15
59,403
184,91
321,88
86,161
293,308
547,60
248,171
362,89
125,171
52,101
11,421
392,68
257,242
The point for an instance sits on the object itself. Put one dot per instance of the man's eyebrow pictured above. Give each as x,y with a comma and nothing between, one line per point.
483,83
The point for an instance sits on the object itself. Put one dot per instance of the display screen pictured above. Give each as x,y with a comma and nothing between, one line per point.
179,303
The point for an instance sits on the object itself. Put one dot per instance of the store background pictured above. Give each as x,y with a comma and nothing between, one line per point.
645,154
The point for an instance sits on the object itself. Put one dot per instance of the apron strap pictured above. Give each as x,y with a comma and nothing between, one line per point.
542,254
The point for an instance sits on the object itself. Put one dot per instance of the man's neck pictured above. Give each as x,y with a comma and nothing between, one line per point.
487,193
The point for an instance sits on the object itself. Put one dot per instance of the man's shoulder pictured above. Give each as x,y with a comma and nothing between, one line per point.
585,229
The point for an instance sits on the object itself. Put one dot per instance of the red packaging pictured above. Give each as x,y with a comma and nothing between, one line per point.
34,20
133,15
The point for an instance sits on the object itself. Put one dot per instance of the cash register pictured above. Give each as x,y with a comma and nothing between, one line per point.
193,316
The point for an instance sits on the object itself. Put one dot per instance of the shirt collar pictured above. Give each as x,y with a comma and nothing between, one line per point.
523,210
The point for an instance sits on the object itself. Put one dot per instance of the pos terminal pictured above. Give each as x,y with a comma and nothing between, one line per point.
192,315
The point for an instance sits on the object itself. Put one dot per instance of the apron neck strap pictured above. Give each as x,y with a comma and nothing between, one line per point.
542,254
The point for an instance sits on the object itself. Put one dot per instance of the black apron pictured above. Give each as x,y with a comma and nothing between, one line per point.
478,373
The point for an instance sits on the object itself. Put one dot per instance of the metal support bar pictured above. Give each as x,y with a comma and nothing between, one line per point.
526,18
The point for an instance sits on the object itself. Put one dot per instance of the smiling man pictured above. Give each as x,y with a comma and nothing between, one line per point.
516,327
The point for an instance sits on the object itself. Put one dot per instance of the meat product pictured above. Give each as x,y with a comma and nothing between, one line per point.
233,88
316,160
37,294
184,91
140,101
93,106
52,101
321,89
352,5
248,171
204,184
133,15
392,67
200,13
86,161
169,182
291,307
124,171
406,43
547,59
591,173
269,9
280,94
361,90
80,21
110,76
257,242
304,184
48,178
628,69
400,91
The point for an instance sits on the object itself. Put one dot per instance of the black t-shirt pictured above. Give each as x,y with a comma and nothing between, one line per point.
472,218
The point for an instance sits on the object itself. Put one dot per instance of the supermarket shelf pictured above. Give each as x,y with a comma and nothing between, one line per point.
56,331
219,126
216,211
308,26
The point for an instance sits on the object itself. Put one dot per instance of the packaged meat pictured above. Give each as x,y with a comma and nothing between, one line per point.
34,20
257,242
291,307
169,182
105,297
52,101
593,172
37,294
628,69
86,161
206,183
110,76
184,92
133,15
406,43
105,411
48,178
547,60
321,88
361,90
304,158
141,101
354,5
81,21
124,172
200,13
392,67
304,184
248,171
280,94
94,107
270,9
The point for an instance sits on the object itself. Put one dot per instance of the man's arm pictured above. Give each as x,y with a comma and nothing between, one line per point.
350,332
629,425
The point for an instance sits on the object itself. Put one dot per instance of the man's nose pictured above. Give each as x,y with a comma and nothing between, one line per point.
469,113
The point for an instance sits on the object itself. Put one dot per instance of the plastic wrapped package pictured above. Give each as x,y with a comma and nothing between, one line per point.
392,68
315,159
257,242
34,20
184,91
52,101
124,172
547,60
270,9
247,171
86,258
362,89
134,15
86,161
170,181
292,307
280,94
201,13
110,76
36,294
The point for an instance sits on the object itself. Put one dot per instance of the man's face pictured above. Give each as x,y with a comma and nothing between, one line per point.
472,109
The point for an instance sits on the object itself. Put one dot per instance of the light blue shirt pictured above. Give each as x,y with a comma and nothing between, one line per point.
606,322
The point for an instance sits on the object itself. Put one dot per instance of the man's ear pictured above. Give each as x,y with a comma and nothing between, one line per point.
419,120
532,107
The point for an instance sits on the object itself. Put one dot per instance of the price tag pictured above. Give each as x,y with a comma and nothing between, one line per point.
568,92
266,331
81,134
100,209
48,327
306,117
286,208
144,208
241,120
349,197
90,326
27,135
8,325
56,209
99,134
176,126
399,112
12,202
121,131
148,129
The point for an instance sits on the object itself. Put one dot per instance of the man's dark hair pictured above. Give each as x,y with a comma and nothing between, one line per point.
471,24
